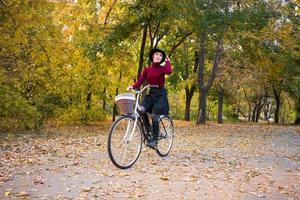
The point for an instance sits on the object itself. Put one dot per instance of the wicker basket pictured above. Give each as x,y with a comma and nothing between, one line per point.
125,102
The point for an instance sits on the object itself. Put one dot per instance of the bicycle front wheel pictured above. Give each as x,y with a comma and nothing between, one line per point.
166,136
124,142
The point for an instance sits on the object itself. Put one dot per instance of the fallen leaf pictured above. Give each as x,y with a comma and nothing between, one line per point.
281,187
38,180
164,178
124,174
23,194
7,194
88,189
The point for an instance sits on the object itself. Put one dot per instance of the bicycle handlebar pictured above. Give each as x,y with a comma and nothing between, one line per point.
147,86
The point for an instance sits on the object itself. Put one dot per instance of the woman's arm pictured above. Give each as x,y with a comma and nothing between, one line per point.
168,68
141,79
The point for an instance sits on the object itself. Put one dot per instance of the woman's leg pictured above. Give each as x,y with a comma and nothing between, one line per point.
146,107
145,117
155,125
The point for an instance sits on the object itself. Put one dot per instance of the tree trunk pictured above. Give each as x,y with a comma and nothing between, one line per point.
88,100
187,105
238,112
115,105
190,92
297,120
202,106
104,100
249,112
253,117
220,105
258,110
202,94
266,111
142,50
84,116
249,106
188,98
278,103
201,119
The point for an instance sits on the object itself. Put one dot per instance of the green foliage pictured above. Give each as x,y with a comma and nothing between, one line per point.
79,115
16,111
67,60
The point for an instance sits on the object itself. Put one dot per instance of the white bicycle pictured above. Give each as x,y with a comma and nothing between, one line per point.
128,133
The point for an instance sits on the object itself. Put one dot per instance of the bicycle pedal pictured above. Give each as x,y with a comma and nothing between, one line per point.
152,147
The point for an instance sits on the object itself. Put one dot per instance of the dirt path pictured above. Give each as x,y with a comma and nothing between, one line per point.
207,162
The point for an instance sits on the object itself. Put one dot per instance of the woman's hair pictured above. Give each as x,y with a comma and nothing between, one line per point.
153,51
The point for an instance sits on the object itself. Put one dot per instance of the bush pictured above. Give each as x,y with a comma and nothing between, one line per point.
228,113
16,111
79,114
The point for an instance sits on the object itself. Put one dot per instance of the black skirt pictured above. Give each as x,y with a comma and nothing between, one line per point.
156,101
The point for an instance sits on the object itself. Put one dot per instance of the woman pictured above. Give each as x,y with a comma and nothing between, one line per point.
156,102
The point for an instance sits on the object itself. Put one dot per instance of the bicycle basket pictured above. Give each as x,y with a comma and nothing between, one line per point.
125,102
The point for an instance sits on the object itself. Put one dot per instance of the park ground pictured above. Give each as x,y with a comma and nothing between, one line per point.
212,161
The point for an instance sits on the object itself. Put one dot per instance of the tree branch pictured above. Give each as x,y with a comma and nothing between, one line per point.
179,43
108,13
201,60
219,53
156,30
159,38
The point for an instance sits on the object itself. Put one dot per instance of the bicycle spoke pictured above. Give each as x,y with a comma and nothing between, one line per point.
124,143
166,139
124,155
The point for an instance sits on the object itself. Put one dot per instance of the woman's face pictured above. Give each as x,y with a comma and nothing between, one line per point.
157,57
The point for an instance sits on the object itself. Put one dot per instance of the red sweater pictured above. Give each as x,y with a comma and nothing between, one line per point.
155,75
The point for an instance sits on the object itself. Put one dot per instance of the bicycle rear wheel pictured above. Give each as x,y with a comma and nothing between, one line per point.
124,142
166,136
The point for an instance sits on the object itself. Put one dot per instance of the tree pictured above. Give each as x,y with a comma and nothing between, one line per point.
184,75
30,44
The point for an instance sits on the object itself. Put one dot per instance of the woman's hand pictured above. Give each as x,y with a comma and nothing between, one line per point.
129,88
167,58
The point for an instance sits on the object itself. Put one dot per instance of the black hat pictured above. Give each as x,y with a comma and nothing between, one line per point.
157,50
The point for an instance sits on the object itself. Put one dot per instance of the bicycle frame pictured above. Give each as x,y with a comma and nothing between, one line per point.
135,123
136,114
